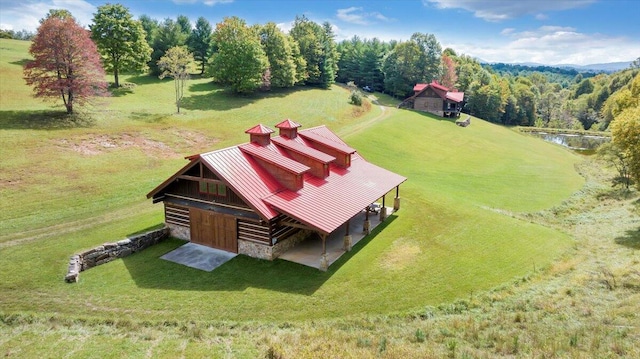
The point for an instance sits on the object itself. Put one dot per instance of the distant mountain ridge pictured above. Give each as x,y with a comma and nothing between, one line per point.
603,67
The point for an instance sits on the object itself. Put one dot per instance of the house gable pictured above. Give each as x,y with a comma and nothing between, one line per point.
436,99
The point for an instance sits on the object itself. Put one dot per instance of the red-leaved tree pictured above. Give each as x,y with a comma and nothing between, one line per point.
449,77
66,63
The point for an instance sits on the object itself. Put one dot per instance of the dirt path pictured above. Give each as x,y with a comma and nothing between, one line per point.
386,112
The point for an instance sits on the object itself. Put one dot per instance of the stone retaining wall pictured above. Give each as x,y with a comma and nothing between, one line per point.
110,251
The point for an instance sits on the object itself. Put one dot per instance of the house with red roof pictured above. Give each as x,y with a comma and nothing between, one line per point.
263,197
437,99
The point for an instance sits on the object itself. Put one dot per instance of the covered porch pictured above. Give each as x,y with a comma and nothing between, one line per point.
321,251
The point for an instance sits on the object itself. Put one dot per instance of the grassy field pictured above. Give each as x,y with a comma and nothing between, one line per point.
474,218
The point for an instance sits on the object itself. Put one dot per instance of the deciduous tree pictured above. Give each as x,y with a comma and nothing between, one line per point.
276,45
120,40
449,77
239,61
308,35
66,63
175,64
625,131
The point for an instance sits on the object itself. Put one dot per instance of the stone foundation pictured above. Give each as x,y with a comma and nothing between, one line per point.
110,251
289,242
255,249
180,232
265,251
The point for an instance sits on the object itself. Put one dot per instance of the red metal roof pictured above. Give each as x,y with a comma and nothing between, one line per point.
440,90
307,151
274,157
419,87
245,176
455,96
323,203
259,130
288,124
322,138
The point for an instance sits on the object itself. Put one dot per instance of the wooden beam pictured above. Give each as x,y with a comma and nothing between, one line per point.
295,225
209,202
200,179
324,243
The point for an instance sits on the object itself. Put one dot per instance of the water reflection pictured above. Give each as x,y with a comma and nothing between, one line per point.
574,141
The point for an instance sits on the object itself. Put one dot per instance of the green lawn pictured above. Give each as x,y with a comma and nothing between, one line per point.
67,186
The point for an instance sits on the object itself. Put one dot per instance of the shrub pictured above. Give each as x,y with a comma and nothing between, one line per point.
356,98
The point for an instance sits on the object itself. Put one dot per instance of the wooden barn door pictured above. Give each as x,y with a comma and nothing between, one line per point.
213,229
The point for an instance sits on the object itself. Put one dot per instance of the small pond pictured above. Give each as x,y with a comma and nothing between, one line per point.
581,143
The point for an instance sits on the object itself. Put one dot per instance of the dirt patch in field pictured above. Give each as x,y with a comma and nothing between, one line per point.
195,142
99,144
401,254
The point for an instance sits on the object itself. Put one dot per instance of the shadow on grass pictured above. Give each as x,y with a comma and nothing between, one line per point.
148,117
215,97
43,120
438,118
631,239
242,272
21,63
144,80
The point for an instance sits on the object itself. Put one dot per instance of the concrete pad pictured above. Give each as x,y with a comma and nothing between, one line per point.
199,256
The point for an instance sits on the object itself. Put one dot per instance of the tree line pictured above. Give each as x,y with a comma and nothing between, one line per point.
260,57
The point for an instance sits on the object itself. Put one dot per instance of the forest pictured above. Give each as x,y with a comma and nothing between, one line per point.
248,58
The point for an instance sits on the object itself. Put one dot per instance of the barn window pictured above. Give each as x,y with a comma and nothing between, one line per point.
213,188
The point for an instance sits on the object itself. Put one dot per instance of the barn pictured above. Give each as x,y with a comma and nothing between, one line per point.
263,197
437,99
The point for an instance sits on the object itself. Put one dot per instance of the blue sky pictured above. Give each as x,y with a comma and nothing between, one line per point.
544,31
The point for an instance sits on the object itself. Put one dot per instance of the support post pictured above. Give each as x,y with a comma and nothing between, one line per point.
367,224
383,210
347,239
396,201
324,263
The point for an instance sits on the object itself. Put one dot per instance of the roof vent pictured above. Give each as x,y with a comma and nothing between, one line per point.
288,128
260,134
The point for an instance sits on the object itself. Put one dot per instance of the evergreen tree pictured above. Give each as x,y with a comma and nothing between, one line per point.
169,35
199,42
330,56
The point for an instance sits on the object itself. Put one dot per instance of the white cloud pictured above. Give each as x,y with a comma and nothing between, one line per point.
285,26
507,31
554,45
498,10
356,15
26,15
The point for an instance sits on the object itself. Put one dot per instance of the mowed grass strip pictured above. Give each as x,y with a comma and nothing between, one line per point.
449,239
